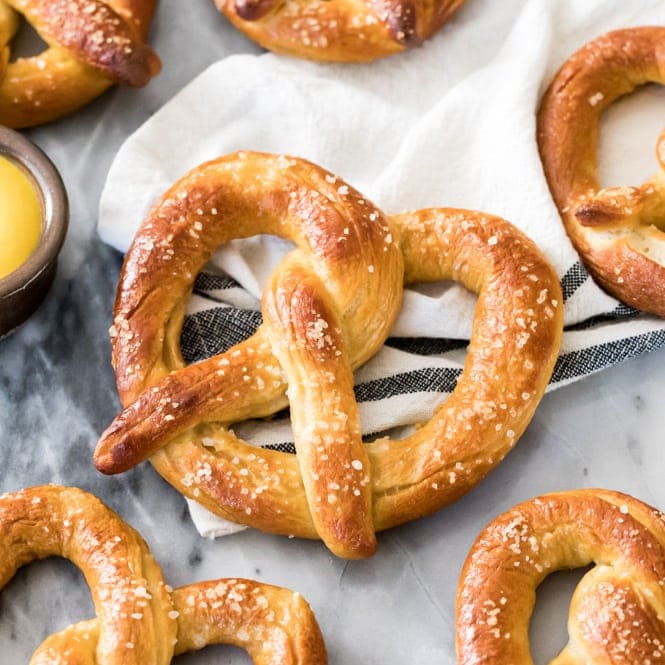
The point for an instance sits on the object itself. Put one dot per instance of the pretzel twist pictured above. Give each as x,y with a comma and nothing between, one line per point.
616,613
620,231
92,44
327,308
338,30
139,619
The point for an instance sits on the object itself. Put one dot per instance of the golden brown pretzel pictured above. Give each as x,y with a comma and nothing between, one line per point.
616,614
620,231
338,30
328,307
92,44
139,619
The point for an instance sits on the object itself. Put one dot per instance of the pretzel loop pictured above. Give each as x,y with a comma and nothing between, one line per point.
616,610
92,44
620,231
123,578
328,306
139,619
274,625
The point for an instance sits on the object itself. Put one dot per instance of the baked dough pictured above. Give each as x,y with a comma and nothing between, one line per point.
139,619
616,610
338,30
620,231
327,309
92,44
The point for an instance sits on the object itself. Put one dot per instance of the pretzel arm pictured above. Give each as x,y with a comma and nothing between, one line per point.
200,393
252,10
608,207
307,339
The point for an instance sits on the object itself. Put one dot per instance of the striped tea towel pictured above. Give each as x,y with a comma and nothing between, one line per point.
451,124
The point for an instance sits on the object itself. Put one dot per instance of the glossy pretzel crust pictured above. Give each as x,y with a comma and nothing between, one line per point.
328,308
619,232
92,44
616,611
338,30
140,620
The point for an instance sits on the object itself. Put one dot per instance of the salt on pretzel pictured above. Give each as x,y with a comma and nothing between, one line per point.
338,30
92,44
139,619
620,231
328,307
616,613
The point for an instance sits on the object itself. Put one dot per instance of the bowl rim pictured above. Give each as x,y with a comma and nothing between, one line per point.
50,186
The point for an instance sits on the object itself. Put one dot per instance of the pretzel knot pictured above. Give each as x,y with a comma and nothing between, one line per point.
338,30
141,620
616,611
327,308
619,231
92,44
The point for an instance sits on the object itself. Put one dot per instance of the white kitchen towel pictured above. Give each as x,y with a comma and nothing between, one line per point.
450,124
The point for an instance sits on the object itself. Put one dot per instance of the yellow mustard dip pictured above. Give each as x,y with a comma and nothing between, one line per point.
20,217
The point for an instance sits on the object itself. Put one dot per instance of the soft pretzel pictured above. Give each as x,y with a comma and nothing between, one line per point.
328,307
338,30
616,613
140,620
620,231
92,44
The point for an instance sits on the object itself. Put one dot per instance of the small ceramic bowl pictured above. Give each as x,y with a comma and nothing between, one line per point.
22,291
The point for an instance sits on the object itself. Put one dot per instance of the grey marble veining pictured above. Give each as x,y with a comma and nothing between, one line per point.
57,394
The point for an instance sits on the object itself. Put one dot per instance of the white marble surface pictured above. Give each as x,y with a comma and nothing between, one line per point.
57,394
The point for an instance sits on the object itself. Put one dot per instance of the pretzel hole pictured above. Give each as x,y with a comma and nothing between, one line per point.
548,629
41,599
208,329
27,42
280,434
216,653
624,156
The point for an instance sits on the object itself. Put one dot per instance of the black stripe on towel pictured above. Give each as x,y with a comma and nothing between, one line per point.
426,346
207,281
574,278
427,379
214,331
591,359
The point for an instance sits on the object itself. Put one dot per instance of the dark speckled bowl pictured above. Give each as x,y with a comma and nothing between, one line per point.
22,291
